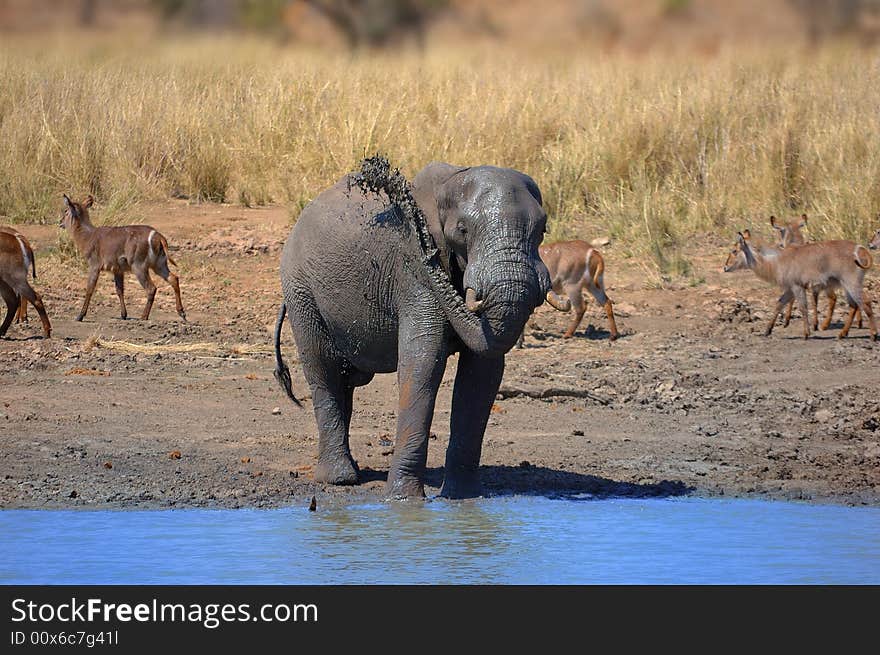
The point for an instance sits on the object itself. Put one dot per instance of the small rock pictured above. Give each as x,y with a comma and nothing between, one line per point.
823,416
525,464
174,454
73,494
245,460
385,441
276,411
577,433
600,242
108,465
313,505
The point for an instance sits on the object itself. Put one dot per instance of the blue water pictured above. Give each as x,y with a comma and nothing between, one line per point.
501,540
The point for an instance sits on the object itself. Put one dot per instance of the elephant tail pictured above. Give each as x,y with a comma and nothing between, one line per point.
282,373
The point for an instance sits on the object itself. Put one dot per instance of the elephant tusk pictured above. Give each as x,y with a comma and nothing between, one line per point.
471,302
560,304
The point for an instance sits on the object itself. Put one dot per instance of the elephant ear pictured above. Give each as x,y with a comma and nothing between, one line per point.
434,198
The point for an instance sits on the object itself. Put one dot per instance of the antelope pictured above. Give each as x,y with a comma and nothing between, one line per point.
15,264
875,242
822,264
21,316
790,235
575,266
119,250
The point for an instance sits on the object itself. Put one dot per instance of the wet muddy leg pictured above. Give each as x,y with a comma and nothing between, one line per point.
476,383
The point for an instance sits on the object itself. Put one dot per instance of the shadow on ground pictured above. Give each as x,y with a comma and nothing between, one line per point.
553,483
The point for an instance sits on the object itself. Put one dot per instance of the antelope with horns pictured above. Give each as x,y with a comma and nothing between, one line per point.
790,235
137,249
21,316
16,262
822,264
576,266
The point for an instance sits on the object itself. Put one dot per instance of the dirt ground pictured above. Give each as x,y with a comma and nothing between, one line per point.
692,399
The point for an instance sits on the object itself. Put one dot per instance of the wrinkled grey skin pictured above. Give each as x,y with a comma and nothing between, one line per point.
361,301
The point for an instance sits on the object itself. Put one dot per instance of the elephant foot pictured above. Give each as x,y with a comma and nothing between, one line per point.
404,487
462,485
340,471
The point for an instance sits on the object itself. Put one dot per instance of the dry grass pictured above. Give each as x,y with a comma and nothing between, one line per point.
650,151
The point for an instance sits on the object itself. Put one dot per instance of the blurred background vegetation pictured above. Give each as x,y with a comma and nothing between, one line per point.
650,121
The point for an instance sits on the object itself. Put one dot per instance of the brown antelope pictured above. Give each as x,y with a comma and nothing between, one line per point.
575,266
822,264
119,250
15,265
790,235
21,316
875,242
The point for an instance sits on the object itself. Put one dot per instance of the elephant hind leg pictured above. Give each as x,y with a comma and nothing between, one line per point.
333,406
332,391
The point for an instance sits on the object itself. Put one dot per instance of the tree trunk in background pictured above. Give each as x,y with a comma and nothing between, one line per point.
87,11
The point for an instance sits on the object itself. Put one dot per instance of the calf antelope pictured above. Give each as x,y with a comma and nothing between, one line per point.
838,263
119,250
15,265
575,266
790,235
21,316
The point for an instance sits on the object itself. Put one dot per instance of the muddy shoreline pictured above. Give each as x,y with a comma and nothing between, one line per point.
691,400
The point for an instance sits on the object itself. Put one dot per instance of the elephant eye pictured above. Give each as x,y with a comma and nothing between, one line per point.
462,229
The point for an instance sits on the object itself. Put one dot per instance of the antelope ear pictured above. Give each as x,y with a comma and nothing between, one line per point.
740,239
90,200
746,234
773,223
803,222
67,202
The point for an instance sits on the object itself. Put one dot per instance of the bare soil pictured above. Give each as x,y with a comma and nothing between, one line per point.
692,399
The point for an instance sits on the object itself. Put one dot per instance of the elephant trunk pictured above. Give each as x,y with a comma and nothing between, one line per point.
505,313
470,328
501,292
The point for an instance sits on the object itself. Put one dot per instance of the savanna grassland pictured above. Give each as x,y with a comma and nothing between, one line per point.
219,143
647,150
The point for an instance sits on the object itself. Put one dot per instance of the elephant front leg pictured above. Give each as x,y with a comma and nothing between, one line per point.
476,383
419,375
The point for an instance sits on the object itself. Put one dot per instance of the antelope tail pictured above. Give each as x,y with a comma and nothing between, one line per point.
282,373
863,257
600,266
28,252
33,259
164,243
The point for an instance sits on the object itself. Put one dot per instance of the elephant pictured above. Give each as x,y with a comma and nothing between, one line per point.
399,280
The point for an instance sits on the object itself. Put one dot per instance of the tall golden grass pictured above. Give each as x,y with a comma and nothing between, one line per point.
648,150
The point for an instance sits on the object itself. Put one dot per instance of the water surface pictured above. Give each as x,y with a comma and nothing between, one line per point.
528,540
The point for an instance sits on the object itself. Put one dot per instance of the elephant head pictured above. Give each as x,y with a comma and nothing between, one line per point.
487,224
